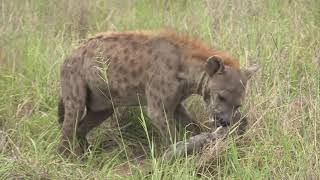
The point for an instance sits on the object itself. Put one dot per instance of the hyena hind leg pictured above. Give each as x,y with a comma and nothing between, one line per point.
91,120
74,93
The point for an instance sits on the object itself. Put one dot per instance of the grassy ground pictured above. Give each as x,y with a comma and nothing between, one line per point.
283,102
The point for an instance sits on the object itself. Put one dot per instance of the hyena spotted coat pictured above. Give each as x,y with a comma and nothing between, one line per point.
156,69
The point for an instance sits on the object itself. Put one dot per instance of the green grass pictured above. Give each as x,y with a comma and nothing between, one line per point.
283,100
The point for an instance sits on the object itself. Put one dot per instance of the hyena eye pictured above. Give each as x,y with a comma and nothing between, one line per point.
221,98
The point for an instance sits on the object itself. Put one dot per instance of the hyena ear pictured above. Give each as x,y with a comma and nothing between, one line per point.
250,71
214,65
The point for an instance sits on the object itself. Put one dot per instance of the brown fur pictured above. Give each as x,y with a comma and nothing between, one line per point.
157,69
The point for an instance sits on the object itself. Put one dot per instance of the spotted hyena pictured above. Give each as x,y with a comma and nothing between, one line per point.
156,69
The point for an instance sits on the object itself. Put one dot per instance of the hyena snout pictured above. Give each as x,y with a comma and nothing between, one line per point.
221,118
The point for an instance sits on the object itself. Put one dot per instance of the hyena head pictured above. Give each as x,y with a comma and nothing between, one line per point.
224,90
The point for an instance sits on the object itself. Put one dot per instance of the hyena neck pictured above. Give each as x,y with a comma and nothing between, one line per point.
197,79
202,84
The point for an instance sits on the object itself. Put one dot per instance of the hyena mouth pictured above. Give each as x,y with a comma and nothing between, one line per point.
224,123
218,121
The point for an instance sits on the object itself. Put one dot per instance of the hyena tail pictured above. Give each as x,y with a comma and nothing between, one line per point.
60,111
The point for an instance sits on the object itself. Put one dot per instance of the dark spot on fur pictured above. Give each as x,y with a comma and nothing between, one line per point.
151,94
159,102
108,57
122,70
167,99
112,38
68,113
170,67
78,92
149,51
162,81
123,87
134,73
124,79
72,105
157,86
156,104
81,101
114,93
163,90
132,63
125,51
127,37
110,46
139,69
174,51
156,57
168,85
126,57
134,45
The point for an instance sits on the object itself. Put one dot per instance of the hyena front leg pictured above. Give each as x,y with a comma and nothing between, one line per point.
185,120
160,107
163,121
